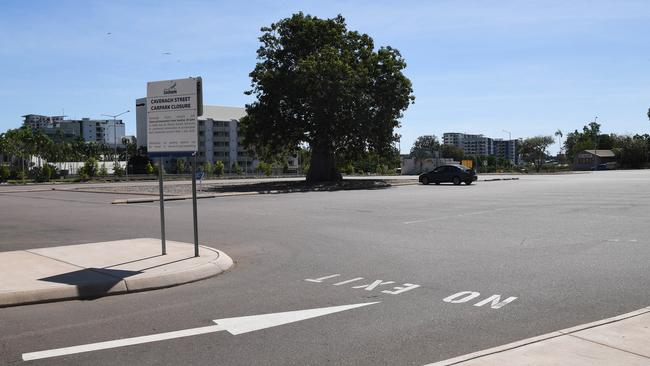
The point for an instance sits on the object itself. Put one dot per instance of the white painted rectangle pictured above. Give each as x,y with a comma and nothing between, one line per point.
172,116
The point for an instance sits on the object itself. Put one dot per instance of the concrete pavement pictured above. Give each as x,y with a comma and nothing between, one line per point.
623,340
106,268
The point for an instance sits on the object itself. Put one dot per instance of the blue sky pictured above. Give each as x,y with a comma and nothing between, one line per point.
528,67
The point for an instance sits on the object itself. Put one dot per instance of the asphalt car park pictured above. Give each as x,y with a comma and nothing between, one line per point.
440,272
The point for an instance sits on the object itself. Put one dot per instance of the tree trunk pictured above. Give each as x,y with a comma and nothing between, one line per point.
322,167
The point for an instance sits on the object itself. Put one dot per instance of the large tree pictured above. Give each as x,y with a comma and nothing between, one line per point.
319,84
588,139
534,150
427,142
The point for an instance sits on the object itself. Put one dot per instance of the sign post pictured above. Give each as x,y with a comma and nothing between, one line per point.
172,130
161,194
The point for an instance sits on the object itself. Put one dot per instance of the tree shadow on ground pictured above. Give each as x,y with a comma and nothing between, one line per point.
299,186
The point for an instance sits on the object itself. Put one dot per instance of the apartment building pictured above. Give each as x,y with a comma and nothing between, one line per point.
507,149
101,131
219,138
479,145
476,145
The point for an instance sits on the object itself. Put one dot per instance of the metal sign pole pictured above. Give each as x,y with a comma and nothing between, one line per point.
162,206
196,228
172,127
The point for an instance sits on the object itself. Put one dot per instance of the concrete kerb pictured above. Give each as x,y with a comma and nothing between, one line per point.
62,273
84,190
222,264
26,190
183,197
560,333
497,179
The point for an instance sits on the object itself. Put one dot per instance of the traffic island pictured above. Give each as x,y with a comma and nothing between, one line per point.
94,270
279,187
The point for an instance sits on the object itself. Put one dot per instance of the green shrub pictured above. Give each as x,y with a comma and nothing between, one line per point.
46,173
103,172
21,176
208,168
348,169
266,168
180,166
149,168
218,168
236,168
118,171
89,169
41,174
4,173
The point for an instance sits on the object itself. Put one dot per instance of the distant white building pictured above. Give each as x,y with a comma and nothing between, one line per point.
476,145
219,138
106,131
101,131
410,165
479,145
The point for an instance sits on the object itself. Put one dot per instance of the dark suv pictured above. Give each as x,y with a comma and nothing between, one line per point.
454,173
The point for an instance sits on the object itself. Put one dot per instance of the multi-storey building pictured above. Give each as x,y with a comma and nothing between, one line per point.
106,131
219,138
37,121
507,149
479,145
103,131
476,145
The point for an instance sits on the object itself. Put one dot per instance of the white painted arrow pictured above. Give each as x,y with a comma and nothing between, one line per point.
234,326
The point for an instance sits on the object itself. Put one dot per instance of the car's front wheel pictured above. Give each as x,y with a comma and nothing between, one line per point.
468,182
425,180
457,180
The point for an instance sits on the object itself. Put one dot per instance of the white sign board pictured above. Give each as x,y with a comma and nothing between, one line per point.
172,126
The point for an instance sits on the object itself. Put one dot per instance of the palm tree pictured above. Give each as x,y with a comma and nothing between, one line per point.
559,135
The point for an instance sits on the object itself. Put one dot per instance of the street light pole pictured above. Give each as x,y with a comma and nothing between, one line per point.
115,135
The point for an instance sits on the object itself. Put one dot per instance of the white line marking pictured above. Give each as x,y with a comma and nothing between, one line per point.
319,280
234,326
371,286
120,343
348,281
399,289
252,323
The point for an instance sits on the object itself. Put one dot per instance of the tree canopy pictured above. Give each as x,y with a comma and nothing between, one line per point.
586,140
426,143
534,150
452,151
316,83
